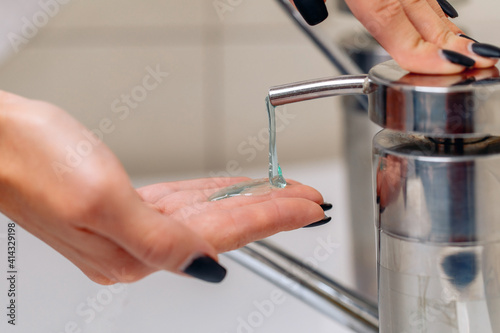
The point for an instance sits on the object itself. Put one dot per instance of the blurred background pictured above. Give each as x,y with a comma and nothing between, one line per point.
221,61
221,58
205,118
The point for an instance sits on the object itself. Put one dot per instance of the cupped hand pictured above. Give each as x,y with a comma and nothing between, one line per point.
233,222
417,34
67,188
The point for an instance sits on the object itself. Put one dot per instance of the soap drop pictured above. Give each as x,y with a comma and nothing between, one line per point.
259,186
251,187
275,174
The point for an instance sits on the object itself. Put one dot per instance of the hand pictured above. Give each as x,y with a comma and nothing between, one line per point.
417,34
233,222
68,189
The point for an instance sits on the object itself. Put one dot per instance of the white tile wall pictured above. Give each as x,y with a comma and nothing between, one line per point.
130,13
480,20
220,68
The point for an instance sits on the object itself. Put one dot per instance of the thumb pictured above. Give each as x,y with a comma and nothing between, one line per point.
164,243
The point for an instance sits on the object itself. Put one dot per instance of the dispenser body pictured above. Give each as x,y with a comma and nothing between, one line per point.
438,233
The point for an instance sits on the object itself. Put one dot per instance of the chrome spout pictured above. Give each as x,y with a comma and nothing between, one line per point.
286,271
330,49
319,88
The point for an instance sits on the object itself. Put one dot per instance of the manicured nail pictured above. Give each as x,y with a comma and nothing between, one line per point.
317,224
486,50
313,11
326,206
458,58
469,38
448,8
206,269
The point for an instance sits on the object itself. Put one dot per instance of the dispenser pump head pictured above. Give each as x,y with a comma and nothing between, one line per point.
459,105
442,106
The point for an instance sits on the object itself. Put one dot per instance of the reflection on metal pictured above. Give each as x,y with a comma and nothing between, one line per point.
436,185
308,285
445,106
439,236
342,6
313,89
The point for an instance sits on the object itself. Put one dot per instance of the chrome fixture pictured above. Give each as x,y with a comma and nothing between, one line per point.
435,184
436,181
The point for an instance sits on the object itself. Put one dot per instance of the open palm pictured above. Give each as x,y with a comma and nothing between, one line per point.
233,222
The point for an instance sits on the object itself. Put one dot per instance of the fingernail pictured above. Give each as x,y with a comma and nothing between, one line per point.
326,206
470,38
458,58
486,50
448,8
206,269
313,11
317,224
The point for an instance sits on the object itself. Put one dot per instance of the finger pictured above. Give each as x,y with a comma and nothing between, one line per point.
156,192
433,29
231,229
437,9
9,98
447,8
386,20
187,203
290,191
153,193
163,243
292,182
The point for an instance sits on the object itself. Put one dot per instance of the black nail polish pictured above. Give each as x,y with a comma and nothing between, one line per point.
486,50
458,58
317,224
326,206
448,8
206,269
313,11
467,37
